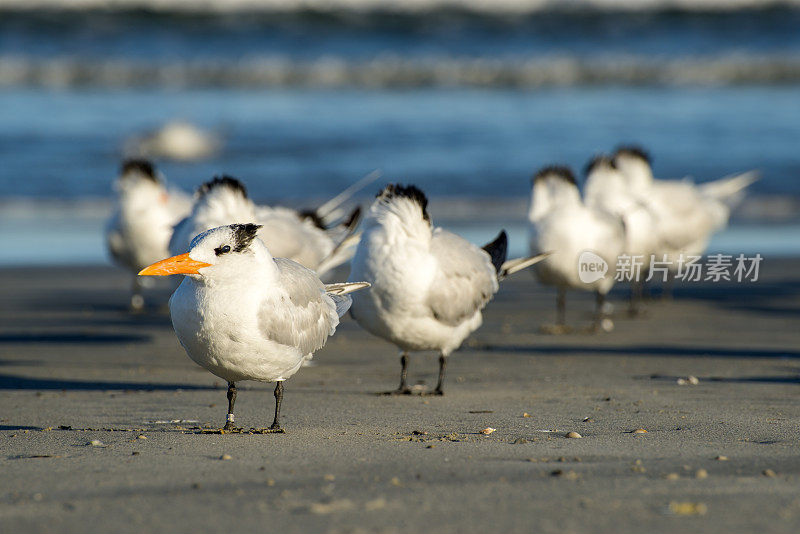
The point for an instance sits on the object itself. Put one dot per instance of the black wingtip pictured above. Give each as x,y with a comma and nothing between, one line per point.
498,250
313,216
354,219
222,181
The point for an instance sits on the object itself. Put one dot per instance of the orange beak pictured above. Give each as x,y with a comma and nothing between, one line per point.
182,264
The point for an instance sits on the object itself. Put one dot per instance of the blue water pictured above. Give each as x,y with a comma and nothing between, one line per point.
466,142
464,104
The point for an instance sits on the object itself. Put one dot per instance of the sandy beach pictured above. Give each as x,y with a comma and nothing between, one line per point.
720,456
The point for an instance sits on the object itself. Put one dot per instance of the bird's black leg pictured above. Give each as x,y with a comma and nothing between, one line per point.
137,300
276,425
668,287
560,326
601,322
561,307
637,292
440,383
402,389
231,400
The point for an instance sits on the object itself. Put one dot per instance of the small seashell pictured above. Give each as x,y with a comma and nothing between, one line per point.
688,508
488,430
141,437
639,431
572,434
96,443
721,458
693,380
701,473
672,476
526,414
769,473
226,457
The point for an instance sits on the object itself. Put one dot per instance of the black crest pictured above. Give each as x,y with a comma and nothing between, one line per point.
222,181
600,160
243,235
140,166
498,250
560,171
635,152
411,192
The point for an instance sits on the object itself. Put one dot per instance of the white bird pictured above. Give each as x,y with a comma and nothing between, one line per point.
244,315
139,230
176,140
607,189
428,285
286,232
688,214
585,241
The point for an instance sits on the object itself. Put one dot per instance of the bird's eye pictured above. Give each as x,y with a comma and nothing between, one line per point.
224,249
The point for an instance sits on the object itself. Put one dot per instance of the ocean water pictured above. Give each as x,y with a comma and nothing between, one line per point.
462,99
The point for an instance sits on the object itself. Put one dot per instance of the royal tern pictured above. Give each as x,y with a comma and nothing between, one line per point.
585,241
428,285
140,228
688,214
607,189
286,232
244,315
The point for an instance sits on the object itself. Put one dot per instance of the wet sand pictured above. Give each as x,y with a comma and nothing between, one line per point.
75,367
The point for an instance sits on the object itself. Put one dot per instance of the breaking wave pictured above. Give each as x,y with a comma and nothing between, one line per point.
398,72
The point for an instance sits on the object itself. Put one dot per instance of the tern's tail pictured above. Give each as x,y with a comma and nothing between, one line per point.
512,266
730,188
339,294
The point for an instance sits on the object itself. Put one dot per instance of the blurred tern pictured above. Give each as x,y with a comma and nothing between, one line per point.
607,189
139,230
428,285
688,214
581,237
244,315
176,140
286,232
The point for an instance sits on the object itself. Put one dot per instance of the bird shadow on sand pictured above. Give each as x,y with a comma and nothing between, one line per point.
644,350
66,338
16,382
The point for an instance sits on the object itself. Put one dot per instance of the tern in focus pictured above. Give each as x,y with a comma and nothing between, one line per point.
244,315
586,242
286,232
428,285
607,189
140,228
688,214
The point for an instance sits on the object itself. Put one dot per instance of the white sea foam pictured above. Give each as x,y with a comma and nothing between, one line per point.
393,71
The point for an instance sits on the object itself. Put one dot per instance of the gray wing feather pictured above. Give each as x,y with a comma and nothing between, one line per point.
343,303
465,280
303,315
